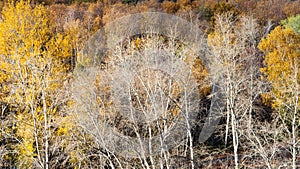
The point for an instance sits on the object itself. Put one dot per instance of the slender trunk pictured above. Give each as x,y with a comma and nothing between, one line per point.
227,118
233,118
46,164
150,148
233,128
235,140
36,136
294,134
189,130
2,124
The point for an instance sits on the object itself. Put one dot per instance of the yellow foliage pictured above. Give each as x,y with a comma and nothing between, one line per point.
282,59
35,61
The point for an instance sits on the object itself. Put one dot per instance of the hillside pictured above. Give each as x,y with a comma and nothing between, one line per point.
150,84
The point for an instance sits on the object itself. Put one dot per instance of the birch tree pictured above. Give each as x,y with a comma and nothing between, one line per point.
36,60
281,48
232,49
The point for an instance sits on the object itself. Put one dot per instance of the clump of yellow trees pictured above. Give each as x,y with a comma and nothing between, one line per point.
282,59
35,61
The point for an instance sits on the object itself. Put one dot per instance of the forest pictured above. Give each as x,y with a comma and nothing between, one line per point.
169,84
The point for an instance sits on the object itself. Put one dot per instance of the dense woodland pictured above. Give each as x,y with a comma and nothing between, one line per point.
254,46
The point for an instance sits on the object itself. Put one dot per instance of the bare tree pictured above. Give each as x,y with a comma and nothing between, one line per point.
145,96
233,50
